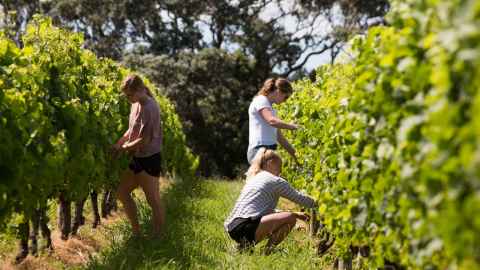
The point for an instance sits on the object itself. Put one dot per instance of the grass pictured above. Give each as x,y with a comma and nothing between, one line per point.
195,238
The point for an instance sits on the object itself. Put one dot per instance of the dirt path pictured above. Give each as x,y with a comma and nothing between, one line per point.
77,250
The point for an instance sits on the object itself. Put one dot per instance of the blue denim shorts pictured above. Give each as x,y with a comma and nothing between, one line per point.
252,152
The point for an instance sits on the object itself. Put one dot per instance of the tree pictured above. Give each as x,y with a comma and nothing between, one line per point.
257,27
210,56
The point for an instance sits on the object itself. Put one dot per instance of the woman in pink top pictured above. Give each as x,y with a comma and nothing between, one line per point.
143,141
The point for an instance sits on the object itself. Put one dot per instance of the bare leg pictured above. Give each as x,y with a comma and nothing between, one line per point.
275,227
127,185
150,186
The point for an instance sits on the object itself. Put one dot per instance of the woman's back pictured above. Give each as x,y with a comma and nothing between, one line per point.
145,121
260,196
260,132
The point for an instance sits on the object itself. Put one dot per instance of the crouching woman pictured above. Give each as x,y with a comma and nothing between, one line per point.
253,217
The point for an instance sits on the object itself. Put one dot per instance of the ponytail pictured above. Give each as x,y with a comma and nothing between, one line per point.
272,84
256,165
268,87
260,160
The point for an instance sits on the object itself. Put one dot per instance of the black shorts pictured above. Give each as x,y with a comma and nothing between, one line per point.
151,165
245,231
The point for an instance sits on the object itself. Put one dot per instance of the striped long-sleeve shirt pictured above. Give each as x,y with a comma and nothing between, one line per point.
260,195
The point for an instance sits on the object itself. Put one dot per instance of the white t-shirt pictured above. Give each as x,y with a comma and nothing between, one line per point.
259,131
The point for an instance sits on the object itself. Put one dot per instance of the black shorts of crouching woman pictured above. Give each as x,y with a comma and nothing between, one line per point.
244,233
151,164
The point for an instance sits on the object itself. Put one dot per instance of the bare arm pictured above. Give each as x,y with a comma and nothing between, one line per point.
285,144
142,138
140,132
117,147
274,121
288,192
130,146
122,139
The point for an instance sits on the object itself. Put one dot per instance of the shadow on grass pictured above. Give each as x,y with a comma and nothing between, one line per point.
172,251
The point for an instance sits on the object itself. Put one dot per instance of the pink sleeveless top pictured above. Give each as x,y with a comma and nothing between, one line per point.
145,122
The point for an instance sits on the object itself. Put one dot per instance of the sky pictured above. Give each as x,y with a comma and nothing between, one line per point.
290,23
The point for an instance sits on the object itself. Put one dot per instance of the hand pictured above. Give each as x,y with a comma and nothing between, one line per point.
117,147
294,126
115,151
126,147
302,216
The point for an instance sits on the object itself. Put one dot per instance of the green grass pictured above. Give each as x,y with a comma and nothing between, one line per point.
195,238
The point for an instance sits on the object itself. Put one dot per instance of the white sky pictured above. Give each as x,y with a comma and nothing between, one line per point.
321,26
290,23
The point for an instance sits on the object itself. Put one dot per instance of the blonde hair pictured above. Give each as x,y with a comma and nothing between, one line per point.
271,84
134,83
260,161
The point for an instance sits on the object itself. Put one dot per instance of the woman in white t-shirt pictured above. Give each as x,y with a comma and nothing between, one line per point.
264,125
